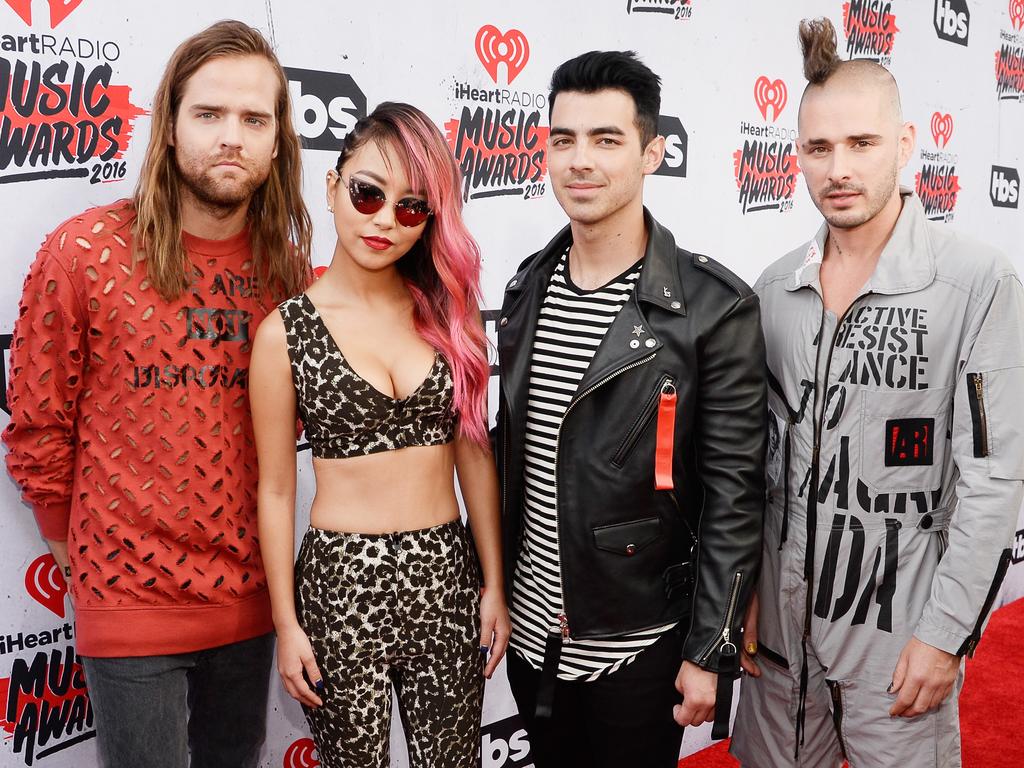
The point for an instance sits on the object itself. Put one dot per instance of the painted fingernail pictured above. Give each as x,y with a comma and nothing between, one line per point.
889,689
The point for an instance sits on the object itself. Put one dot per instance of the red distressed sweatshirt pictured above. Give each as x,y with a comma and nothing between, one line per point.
130,437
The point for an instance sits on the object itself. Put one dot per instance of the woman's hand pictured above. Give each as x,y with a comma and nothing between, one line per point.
495,627
295,656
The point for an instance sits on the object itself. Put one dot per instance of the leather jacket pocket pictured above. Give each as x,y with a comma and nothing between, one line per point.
627,538
904,439
643,418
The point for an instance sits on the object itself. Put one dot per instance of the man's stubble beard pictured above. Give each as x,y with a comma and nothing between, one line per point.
877,199
218,195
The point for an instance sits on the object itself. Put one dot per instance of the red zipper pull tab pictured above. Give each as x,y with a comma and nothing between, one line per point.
666,438
563,627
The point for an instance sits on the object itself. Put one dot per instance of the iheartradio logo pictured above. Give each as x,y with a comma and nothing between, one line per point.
59,10
494,48
770,94
1017,13
46,584
301,754
942,128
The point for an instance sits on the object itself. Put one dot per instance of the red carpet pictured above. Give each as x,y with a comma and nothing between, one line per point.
991,705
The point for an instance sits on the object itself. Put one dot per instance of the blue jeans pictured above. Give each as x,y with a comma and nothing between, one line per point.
154,710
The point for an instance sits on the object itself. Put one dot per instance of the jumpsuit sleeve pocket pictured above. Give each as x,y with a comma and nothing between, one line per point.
998,420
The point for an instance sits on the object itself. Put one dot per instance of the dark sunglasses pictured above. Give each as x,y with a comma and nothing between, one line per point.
368,198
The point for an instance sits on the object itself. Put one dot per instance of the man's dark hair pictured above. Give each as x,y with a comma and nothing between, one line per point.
617,70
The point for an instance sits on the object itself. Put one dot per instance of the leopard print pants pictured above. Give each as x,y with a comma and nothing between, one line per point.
400,610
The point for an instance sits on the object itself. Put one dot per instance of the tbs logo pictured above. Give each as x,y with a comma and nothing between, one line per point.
505,744
1018,548
1005,188
325,106
952,20
674,163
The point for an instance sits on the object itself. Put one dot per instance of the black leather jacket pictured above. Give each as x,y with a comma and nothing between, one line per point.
634,557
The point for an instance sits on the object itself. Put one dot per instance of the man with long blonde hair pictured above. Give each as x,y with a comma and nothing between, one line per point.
130,433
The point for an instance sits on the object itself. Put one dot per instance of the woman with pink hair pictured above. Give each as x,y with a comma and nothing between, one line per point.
384,360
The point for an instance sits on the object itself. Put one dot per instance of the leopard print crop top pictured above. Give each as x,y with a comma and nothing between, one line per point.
343,414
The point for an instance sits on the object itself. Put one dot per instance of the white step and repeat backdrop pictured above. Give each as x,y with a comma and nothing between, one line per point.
730,187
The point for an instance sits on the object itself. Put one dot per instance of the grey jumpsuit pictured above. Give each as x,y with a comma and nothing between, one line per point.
895,468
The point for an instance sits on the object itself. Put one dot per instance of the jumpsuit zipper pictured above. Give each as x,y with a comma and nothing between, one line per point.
812,507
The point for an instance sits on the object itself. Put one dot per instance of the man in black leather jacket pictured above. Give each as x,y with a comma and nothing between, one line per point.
631,434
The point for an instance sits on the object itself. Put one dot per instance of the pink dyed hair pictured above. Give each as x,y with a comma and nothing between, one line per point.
442,271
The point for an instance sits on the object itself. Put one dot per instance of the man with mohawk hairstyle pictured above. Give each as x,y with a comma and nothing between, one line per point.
895,354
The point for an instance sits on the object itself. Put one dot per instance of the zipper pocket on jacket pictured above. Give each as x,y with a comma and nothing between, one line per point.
837,713
972,641
725,632
976,398
646,414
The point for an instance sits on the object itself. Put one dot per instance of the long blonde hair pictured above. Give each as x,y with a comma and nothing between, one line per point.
279,224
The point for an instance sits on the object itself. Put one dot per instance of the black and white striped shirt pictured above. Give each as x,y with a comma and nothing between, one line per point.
571,325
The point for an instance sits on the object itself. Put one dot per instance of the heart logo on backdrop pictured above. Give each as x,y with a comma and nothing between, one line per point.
301,754
1017,13
770,94
46,584
942,128
493,48
23,8
59,10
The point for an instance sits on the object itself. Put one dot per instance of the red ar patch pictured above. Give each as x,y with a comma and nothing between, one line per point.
908,442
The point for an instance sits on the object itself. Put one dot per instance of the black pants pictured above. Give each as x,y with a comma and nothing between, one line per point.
621,720
154,711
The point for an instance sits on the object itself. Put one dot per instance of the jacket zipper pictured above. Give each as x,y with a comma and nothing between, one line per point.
726,647
563,618
646,413
976,387
504,459
972,641
837,713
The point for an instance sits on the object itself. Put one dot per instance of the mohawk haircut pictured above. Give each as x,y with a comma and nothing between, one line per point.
822,64
818,45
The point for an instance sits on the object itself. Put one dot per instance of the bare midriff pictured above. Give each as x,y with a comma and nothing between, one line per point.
401,490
